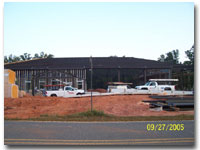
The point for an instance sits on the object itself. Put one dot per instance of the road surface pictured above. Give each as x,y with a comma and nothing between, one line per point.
96,133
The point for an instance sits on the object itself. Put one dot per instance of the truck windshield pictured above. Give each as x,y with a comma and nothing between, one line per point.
68,89
153,84
147,84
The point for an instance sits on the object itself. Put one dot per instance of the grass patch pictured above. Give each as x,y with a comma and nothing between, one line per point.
101,116
93,113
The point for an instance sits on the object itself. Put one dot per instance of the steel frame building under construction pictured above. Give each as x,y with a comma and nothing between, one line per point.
76,71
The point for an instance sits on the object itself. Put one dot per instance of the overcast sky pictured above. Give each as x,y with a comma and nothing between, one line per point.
143,30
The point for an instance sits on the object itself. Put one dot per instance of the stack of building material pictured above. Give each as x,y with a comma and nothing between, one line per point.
171,102
10,88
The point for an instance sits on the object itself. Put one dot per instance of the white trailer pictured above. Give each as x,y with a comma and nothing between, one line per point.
120,87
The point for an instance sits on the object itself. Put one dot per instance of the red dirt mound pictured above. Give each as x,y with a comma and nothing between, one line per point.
119,105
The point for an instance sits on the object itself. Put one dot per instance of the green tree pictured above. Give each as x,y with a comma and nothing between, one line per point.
190,55
49,56
172,56
16,59
25,56
11,59
36,55
161,58
5,59
43,55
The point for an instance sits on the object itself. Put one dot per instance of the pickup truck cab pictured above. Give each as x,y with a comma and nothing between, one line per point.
153,85
68,91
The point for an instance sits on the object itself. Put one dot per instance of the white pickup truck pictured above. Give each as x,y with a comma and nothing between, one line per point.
154,85
68,91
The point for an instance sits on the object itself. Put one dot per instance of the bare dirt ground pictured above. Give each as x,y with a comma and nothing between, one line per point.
121,105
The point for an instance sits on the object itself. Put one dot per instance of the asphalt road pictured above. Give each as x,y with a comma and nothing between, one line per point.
96,133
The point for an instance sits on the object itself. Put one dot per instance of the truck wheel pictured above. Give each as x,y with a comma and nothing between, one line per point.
144,88
53,95
78,94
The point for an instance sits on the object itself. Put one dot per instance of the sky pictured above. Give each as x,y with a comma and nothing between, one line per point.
141,30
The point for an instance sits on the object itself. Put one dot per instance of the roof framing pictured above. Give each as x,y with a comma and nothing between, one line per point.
84,63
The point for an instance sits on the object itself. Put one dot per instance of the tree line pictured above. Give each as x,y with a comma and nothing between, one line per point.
12,58
173,56
186,77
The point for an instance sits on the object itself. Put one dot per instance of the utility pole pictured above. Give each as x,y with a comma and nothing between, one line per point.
145,74
91,79
118,73
33,84
60,79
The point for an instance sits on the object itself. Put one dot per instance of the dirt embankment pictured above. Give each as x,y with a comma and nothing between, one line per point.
121,105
